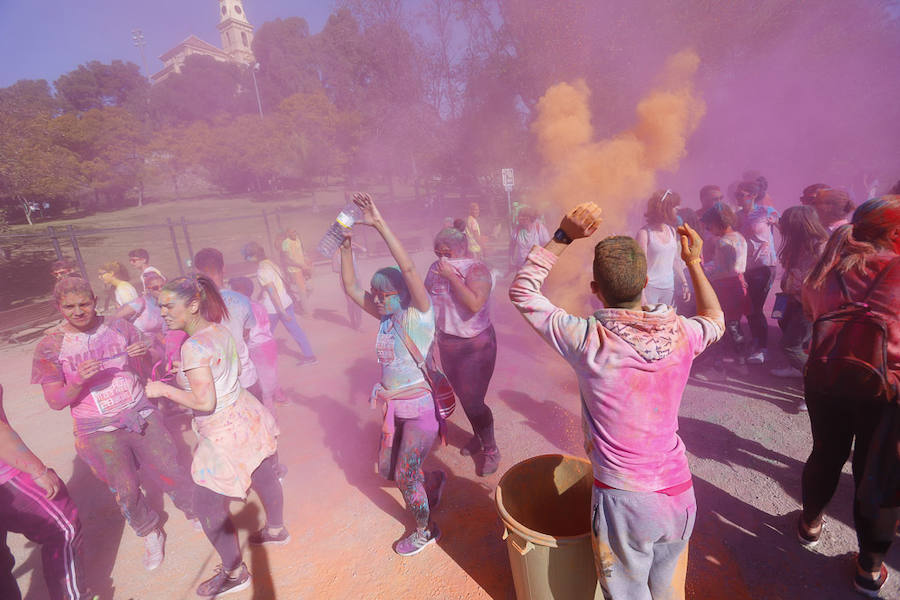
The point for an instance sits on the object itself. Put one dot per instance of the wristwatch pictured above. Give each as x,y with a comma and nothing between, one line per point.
561,237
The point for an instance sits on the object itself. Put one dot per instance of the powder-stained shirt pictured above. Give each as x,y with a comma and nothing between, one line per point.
125,293
729,258
213,347
757,227
451,316
294,251
115,389
148,318
398,369
632,368
240,318
269,274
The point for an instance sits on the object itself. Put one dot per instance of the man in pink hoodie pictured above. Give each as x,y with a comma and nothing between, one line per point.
632,363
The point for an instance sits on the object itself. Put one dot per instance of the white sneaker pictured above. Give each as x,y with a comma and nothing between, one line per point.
756,358
154,549
787,372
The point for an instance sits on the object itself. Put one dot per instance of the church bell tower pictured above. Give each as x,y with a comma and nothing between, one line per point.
236,31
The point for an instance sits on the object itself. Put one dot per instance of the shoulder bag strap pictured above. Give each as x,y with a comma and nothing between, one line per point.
401,332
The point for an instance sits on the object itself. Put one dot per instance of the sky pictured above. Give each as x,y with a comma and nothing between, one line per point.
42,39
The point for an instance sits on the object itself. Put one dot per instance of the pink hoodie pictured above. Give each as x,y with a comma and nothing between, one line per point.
632,368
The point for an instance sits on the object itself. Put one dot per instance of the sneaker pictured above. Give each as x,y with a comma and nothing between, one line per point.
786,372
308,360
756,358
154,549
417,540
435,487
870,587
807,537
196,524
472,448
491,462
221,584
802,407
264,537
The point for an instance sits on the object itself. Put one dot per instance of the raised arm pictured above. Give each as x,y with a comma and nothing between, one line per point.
417,292
691,253
348,278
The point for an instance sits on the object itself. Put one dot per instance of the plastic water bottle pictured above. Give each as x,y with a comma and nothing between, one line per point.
334,237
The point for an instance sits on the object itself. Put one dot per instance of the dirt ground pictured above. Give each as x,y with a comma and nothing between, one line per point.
746,440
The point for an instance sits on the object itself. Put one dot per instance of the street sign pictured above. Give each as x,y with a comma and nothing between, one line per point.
509,180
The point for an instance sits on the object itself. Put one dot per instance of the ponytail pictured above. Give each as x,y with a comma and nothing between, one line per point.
203,289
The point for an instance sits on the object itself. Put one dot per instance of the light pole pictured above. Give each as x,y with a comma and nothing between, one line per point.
137,38
253,69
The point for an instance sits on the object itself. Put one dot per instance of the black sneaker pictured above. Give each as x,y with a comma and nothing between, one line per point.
221,584
264,538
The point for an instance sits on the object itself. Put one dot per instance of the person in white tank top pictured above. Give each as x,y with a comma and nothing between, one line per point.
660,244
460,290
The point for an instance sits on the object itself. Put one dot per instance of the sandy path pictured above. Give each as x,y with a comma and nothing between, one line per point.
746,441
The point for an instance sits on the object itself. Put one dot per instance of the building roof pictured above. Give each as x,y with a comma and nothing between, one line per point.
195,43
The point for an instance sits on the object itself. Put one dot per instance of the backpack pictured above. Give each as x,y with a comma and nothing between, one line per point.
848,351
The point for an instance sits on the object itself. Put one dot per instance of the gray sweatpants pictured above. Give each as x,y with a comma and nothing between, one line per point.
640,543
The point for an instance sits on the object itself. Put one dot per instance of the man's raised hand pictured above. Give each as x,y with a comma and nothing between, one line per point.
582,221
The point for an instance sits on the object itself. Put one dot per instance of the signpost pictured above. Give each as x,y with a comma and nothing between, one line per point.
509,181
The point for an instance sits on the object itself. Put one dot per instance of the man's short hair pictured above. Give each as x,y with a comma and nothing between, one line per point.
209,260
620,269
139,253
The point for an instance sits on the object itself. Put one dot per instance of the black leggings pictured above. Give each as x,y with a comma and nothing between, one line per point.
836,422
212,510
469,365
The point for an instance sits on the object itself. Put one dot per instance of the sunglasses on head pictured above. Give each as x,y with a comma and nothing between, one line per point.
382,296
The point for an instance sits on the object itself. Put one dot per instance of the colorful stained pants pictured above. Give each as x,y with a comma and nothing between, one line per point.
265,358
53,525
114,456
212,510
838,423
641,543
290,323
469,365
413,440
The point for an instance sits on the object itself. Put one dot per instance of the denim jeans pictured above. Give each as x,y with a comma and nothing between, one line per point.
290,323
759,282
796,331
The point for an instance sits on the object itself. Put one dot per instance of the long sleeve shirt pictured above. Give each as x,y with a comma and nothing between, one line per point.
632,368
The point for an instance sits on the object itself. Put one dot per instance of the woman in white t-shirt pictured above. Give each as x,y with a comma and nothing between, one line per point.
276,300
659,242
236,434
460,288
399,300
115,276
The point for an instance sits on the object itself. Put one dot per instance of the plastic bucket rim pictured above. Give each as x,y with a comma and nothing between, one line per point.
527,533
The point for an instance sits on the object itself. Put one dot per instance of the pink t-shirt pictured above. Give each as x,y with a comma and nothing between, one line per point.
260,333
632,368
115,389
450,315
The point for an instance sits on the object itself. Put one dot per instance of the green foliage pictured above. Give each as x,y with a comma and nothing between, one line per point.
96,85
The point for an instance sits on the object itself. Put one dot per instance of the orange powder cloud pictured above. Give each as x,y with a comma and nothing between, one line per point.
618,173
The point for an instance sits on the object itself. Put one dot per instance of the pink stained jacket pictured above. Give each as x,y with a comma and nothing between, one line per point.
632,368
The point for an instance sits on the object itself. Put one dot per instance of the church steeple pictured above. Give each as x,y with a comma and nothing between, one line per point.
236,31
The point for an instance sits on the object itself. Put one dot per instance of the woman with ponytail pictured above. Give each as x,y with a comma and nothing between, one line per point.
236,434
857,253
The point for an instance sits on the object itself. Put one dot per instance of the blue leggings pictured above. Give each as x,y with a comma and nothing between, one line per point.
290,323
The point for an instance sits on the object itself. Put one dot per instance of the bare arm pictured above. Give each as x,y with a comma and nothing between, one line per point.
201,396
348,278
125,312
15,453
474,290
417,292
691,253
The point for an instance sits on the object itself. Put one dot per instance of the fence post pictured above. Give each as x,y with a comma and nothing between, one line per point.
77,252
175,245
187,239
272,248
51,232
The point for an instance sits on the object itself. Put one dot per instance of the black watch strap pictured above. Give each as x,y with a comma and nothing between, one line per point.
561,237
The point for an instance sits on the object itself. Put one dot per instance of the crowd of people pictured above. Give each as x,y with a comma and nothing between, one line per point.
198,347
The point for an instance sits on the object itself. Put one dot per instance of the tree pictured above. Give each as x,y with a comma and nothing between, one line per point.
96,85
287,59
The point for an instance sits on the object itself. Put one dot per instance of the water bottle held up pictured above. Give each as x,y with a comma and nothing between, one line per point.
333,238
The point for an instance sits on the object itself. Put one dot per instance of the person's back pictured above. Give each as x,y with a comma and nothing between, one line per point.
632,363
